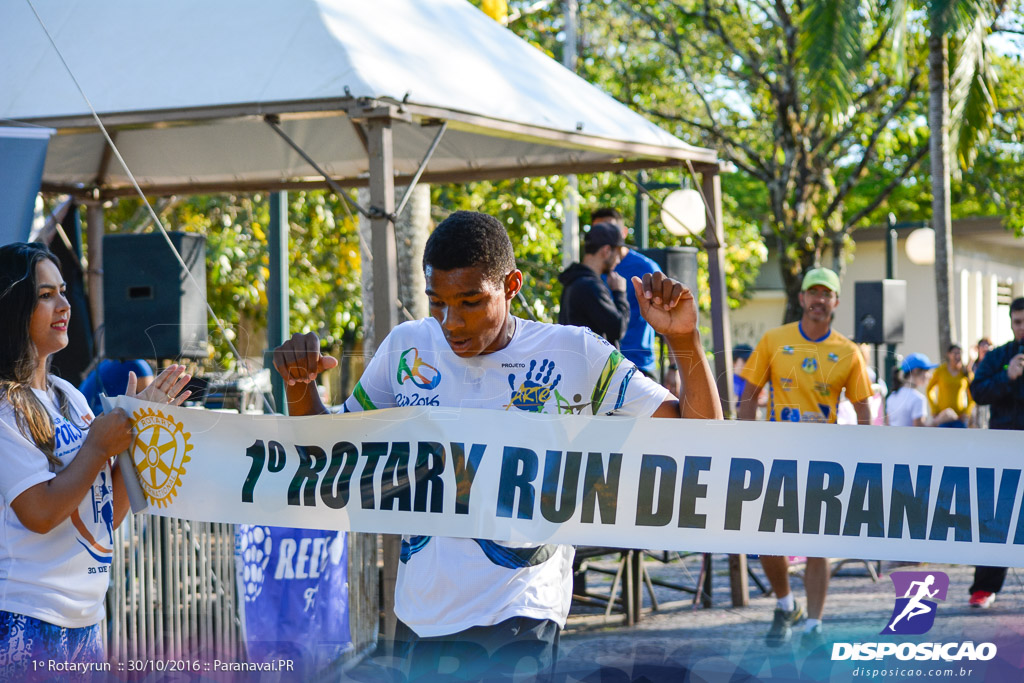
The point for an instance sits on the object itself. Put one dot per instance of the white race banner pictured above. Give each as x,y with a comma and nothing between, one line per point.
887,493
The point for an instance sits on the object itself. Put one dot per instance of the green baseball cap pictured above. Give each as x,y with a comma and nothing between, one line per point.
821,276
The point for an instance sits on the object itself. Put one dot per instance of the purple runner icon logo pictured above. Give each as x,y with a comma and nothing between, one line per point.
914,612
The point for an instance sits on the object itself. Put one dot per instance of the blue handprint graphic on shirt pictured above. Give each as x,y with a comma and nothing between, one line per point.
535,391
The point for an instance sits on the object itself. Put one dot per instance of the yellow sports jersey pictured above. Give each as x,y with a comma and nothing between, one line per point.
807,375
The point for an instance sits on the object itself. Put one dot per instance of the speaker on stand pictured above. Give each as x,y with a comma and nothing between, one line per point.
880,310
152,307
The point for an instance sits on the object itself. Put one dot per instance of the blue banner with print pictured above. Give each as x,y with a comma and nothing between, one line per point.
293,587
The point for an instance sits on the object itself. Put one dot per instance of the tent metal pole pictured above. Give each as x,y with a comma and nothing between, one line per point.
278,303
571,225
711,188
382,242
380,137
419,171
720,333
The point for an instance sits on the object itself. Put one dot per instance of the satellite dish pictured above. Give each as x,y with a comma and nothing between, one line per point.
683,213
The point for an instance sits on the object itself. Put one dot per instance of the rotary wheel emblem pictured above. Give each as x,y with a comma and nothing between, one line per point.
159,451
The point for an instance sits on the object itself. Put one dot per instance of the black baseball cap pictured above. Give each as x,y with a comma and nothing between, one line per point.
601,234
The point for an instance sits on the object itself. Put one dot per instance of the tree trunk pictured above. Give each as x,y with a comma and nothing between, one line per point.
938,123
793,277
411,233
794,311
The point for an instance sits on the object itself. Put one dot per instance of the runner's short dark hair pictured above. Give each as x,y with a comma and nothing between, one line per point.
467,239
605,214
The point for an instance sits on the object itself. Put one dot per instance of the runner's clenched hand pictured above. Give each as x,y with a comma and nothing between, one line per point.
299,360
669,306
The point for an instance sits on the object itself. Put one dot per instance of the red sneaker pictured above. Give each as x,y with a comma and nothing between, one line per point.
982,599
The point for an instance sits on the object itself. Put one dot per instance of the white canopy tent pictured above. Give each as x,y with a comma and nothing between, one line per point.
186,86
204,97
187,90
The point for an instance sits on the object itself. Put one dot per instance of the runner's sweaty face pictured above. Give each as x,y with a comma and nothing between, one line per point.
471,308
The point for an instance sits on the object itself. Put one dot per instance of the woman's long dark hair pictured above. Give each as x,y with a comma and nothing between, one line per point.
18,356
898,380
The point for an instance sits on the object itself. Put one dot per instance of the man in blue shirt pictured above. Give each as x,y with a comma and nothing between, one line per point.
110,377
637,344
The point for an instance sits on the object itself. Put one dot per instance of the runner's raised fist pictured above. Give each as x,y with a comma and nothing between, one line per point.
299,360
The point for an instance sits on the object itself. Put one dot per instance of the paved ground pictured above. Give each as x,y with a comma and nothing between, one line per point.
680,643
724,644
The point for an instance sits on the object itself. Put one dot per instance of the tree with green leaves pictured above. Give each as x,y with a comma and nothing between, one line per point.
735,75
952,28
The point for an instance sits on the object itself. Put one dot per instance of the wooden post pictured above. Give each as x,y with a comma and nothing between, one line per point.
738,580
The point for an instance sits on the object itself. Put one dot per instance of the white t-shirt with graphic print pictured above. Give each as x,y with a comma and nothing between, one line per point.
61,576
446,585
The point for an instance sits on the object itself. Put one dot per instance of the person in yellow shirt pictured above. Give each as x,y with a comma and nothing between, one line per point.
950,387
808,364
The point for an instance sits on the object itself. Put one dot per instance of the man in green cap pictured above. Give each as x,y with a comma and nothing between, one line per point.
808,364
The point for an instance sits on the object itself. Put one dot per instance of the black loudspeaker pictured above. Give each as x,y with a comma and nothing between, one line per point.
880,309
152,308
679,263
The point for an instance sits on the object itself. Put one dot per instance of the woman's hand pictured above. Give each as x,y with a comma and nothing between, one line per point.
110,433
166,388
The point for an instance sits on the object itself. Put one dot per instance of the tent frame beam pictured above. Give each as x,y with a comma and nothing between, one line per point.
357,109
438,178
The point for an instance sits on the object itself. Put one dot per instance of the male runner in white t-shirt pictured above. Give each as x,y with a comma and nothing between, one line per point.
486,603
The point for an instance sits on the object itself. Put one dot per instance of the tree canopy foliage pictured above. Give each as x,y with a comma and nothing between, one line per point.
742,76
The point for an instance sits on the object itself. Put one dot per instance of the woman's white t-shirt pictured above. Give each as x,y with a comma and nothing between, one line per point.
61,576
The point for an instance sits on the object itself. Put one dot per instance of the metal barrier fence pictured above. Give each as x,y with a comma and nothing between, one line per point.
172,592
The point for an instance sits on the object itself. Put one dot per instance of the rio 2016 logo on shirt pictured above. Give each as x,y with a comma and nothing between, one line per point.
159,451
413,368
914,612
809,365
535,391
